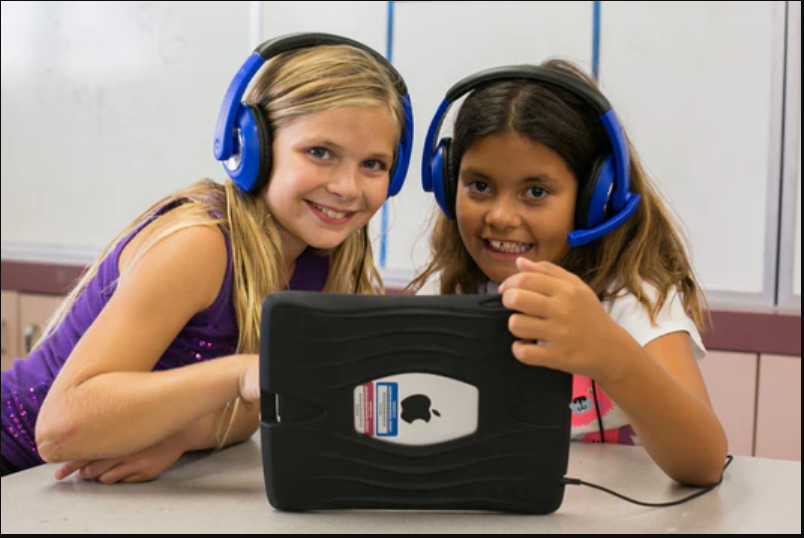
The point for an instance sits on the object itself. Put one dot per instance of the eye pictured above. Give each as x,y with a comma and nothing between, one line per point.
479,187
375,165
536,193
319,153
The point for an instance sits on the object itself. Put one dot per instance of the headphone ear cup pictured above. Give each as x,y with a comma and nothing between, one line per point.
440,172
594,197
450,178
399,170
248,166
266,156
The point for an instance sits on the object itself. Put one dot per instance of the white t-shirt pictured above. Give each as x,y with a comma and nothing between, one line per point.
629,313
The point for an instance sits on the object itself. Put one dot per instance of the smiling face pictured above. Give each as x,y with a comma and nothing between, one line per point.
516,198
331,174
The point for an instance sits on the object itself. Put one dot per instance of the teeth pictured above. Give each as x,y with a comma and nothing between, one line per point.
331,213
509,246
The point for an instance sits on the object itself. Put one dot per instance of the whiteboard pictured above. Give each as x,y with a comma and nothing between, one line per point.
107,107
361,21
697,87
438,43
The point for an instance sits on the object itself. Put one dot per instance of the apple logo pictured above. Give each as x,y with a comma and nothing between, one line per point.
417,407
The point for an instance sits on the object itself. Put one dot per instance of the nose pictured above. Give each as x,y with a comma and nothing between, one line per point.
345,183
503,215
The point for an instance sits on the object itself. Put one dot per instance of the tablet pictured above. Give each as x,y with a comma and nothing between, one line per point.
406,402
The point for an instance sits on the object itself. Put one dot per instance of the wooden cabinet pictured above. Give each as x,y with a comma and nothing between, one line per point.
731,379
34,313
10,316
779,408
24,318
758,400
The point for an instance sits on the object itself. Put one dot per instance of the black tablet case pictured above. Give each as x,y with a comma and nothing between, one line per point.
316,348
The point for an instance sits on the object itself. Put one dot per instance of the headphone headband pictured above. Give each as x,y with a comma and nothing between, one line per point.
246,154
437,151
533,73
278,45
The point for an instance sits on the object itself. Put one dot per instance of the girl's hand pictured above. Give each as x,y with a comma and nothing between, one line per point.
250,380
142,466
561,323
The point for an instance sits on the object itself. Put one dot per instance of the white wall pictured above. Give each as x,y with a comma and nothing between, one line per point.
794,101
797,262
790,234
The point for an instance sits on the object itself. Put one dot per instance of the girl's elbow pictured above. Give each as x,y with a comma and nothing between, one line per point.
46,443
708,468
706,476
54,435
718,455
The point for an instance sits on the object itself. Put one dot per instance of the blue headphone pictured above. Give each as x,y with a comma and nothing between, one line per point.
605,202
243,136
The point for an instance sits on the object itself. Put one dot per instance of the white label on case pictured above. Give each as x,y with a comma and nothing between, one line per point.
416,409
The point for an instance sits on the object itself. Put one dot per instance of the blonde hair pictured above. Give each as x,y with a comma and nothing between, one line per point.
649,247
289,86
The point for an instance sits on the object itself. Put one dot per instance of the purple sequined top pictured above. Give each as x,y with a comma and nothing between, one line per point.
210,334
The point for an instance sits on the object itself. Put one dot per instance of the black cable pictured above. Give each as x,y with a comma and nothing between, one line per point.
597,410
704,491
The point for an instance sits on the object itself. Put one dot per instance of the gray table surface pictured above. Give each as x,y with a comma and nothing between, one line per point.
224,493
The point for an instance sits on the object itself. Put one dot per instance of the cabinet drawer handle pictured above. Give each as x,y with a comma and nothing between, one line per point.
30,334
3,347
